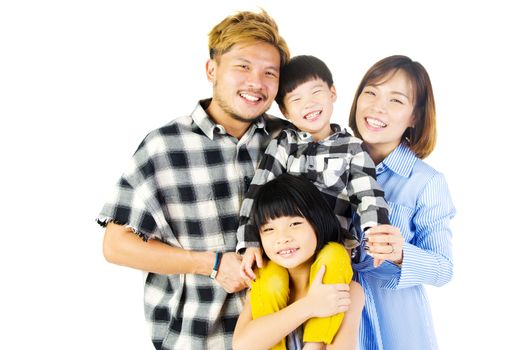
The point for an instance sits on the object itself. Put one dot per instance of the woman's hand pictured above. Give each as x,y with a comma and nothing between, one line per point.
384,242
327,299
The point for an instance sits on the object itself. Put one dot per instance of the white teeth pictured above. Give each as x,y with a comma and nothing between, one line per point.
286,251
250,97
376,123
312,115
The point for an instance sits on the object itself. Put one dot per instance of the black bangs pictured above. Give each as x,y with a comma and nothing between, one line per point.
275,202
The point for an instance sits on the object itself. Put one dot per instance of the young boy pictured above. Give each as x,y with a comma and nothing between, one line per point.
331,157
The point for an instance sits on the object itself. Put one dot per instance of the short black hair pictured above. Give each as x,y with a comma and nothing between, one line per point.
299,70
290,195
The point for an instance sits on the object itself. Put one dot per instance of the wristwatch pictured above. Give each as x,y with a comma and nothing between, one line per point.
216,265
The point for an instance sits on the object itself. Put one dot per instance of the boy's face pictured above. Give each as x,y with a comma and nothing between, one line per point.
309,107
245,81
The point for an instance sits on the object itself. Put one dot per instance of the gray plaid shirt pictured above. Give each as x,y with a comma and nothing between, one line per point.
340,168
184,187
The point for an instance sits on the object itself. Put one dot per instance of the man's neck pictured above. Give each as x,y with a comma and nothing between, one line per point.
234,127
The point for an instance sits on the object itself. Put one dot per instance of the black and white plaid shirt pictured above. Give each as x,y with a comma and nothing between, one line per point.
184,187
340,168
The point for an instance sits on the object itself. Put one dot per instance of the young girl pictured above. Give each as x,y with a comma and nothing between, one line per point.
295,223
394,113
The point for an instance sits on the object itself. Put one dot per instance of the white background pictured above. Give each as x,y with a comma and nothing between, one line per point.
81,83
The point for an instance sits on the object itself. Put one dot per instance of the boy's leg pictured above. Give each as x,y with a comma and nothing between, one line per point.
269,293
338,270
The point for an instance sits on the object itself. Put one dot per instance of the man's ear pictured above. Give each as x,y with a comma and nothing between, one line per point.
210,70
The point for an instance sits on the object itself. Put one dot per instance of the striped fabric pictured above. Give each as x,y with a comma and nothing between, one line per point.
396,313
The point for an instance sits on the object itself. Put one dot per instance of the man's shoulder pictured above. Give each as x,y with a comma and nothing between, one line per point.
274,125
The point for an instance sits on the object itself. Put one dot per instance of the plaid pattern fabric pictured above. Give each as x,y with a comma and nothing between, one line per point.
340,168
184,187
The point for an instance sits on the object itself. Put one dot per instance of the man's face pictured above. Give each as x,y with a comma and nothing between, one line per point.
245,81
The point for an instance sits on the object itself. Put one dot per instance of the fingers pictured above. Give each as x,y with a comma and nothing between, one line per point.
318,279
258,259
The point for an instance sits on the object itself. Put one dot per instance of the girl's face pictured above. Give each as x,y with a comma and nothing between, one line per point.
289,241
384,112
309,107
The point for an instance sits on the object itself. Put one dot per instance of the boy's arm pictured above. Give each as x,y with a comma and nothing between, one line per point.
124,247
272,164
363,189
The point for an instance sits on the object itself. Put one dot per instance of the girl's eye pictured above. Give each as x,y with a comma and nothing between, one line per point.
266,229
296,223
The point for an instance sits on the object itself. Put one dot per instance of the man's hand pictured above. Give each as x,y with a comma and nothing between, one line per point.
229,273
251,255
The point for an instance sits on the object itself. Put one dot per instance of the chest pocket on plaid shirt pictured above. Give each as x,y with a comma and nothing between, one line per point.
332,175
195,219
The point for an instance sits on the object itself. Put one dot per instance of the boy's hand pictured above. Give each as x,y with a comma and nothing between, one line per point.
251,255
327,299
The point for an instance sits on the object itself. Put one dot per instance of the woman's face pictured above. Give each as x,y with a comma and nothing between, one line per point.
289,241
384,112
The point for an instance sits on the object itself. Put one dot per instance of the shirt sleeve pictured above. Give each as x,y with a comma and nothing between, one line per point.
365,192
427,259
128,204
272,164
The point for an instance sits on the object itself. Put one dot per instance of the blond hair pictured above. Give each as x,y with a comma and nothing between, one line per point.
246,27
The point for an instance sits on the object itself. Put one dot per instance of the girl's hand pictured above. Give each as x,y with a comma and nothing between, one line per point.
385,242
327,299
251,255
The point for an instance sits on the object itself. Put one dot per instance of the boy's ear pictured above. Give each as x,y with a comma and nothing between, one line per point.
284,111
333,93
210,70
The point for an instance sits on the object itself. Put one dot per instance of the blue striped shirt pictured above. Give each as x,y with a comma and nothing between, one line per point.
397,313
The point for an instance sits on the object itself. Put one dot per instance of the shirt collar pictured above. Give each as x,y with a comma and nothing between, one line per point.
208,127
307,137
401,161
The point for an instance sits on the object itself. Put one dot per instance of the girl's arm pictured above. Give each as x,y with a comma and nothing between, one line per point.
322,300
346,337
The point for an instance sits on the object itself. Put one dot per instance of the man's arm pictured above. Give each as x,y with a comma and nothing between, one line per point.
122,246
